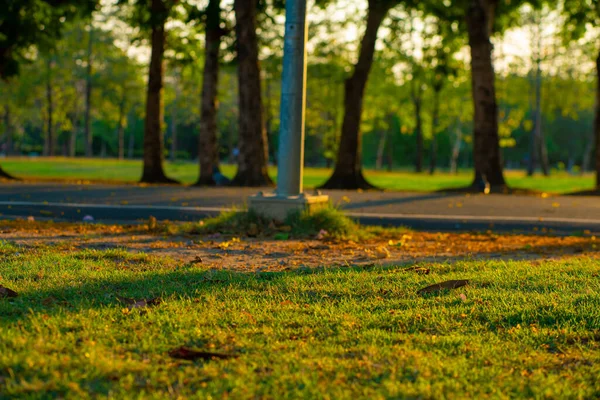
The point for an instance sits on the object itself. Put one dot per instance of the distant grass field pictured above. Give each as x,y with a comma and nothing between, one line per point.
521,329
130,171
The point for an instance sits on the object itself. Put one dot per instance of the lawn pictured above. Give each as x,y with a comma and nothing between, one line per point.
130,171
528,329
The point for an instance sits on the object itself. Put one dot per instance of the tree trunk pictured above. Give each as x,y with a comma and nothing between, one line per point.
486,146
587,155
73,137
456,148
253,144
121,127
88,97
8,130
416,97
173,152
435,121
597,123
269,121
153,138
394,127
49,142
208,149
348,168
381,149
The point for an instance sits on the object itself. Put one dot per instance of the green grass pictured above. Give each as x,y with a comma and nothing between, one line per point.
130,171
523,330
297,225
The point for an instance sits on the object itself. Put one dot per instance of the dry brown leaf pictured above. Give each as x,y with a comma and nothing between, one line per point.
6,292
152,223
132,303
185,353
418,270
382,252
452,284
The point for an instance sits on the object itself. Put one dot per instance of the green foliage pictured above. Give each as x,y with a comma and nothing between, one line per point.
29,24
330,219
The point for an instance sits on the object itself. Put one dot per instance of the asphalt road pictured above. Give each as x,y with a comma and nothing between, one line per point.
427,211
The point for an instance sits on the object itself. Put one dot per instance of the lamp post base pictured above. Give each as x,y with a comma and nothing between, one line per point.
277,207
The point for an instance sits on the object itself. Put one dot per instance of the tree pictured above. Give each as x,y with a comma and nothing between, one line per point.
253,144
208,152
152,16
583,15
348,168
88,94
24,24
481,19
486,147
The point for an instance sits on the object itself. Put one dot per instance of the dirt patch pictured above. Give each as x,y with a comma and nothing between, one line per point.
253,254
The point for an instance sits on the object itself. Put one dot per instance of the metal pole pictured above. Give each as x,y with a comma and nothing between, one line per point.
293,99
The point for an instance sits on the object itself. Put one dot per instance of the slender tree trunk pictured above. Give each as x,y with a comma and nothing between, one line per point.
253,157
486,146
597,123
416,98
435,122
456,148
348,168
153,136
88,97
49,142
587,155
121,127
74,131
8,130
394,127
381,149
269,120
208,149
173,126
231,131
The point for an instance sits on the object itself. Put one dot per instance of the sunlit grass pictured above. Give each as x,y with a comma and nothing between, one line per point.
520,330
187,172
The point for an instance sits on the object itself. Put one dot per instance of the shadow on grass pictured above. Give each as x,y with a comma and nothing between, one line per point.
168,280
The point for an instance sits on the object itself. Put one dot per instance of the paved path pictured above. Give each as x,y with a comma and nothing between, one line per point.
430,211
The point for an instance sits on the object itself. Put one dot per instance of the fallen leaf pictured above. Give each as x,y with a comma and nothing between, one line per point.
152,223
418,270
452,284
132,303
6,292
463,297
382,252
185,353
322,234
